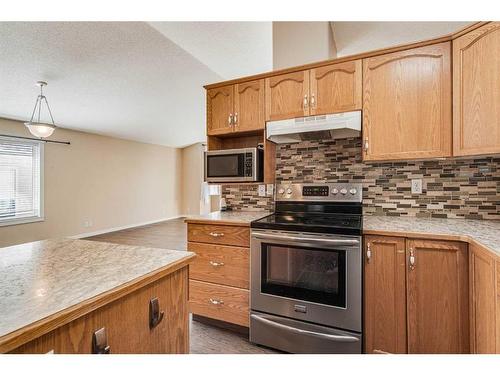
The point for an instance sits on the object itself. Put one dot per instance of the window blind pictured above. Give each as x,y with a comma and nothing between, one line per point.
20,180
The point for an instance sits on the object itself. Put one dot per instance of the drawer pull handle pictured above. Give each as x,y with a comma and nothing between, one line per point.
216,302
155,315
412,259
215,234
216,264
100,342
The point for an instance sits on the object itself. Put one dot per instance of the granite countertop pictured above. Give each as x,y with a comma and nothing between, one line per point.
484,232
235,217
44,277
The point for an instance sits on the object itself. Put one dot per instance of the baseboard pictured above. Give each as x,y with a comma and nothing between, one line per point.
115,229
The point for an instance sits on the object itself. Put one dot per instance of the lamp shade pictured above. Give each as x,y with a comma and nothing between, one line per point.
40,130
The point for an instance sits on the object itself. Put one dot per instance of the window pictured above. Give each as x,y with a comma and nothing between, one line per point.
21,181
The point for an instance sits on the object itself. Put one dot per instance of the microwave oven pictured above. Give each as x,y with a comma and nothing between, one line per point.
236,165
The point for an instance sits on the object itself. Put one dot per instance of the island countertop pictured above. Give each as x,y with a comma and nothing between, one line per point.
44,278
243,218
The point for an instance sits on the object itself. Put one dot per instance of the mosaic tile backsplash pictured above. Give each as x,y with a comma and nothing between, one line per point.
452,188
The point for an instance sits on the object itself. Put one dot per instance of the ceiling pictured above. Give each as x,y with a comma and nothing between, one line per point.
129,80
143,81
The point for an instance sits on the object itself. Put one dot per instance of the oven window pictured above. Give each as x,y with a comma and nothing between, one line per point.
312,275
225,165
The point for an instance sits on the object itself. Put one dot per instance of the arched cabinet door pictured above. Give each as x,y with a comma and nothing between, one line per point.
249,106
336,88
476,91
407,104
287,96
220,110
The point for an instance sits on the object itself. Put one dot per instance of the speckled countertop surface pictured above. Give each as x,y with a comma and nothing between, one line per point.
484,232
41,278
237,217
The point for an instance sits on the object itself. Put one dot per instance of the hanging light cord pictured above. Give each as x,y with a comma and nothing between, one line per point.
39,104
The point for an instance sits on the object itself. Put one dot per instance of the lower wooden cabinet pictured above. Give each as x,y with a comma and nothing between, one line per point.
416,296
385,295
126,322
437,296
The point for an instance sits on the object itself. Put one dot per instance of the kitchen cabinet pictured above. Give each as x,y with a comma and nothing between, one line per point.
327,89
235,108
219,276
127,323
437,296
407,104
336,88
483,302
385,294
476,91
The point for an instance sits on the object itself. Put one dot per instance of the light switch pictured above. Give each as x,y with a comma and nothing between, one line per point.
262,190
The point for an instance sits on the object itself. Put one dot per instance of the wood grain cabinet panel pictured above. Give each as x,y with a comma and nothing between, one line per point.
407,104
219,234
336,88
219,302
226,265
249,106
127,323
476,91
287,96
385,295
483,301
220,102
437,297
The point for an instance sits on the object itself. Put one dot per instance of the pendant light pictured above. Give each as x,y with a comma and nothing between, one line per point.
35,126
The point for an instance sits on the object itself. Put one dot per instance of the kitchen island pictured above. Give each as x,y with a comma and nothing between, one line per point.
77,296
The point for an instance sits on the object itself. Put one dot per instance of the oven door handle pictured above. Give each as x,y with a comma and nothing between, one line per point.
327,241
306,332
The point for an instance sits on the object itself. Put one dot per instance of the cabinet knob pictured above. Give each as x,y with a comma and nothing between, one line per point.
368,253
412,259
235,118
313,101
155,315
230,120
365,146
306,101
100,342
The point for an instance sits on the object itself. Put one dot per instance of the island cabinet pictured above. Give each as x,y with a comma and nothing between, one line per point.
327,89
219,276
407,104
235,108
122,325
416,296
476,91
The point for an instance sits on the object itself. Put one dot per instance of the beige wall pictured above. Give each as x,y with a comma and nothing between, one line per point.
192,177
356,37
297,43
111,182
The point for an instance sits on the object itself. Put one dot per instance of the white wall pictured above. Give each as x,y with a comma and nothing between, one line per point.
109,181
192,177
356,37
297,43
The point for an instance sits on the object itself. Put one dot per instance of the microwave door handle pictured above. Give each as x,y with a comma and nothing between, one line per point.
328,241
305,332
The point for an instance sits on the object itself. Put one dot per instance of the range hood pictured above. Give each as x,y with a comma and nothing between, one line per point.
333,126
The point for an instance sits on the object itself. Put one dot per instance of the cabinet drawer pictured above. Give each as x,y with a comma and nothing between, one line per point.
219,234
220,302
227,265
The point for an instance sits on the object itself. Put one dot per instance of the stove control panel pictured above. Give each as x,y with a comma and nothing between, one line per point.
324,192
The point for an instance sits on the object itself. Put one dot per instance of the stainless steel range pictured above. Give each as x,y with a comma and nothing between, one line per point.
306,278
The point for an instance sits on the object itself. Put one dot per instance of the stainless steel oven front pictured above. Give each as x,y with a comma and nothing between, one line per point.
310,277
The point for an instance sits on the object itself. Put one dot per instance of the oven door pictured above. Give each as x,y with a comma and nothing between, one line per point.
230,165
311,277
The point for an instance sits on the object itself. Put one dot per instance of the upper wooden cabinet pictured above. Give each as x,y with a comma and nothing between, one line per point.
235,108
476,90
287,96
249,106
385,295
437,297
407,104
336,88
327,89
220,103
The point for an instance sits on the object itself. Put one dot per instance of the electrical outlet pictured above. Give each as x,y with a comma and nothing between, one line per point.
262,190
416,186
270,189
